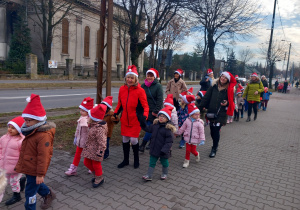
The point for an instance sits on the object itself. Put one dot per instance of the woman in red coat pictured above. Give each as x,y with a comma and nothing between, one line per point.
132,101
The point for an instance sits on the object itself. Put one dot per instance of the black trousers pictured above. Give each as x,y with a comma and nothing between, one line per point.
254,106
215,133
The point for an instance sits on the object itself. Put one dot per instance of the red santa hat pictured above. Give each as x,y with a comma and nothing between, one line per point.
188,99
34,108
236,76
241,87
154,72
179,71
192,109
266,89
209,71
254,75
202,93
108,101
190,91
132,70
97,113
238,90
17,122
169,101
230,92
167,111
87,104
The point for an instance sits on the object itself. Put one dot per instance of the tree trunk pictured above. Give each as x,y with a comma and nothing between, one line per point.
211,51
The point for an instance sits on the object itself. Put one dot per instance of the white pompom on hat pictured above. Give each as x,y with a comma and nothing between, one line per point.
34,108
132,70
87,104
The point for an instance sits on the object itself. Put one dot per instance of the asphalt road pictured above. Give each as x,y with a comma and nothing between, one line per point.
15,100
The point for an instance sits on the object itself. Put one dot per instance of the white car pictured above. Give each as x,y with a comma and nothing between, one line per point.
243,80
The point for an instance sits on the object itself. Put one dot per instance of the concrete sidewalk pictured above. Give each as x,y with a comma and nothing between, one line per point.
257,167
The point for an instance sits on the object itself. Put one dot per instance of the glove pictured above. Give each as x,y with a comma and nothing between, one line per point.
202,142
142,120
162,154
75,140
115,116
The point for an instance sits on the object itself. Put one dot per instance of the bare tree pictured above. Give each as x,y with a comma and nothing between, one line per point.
245,56
224,19
156,14
47,15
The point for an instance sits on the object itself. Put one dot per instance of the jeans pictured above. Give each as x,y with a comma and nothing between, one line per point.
106,153
147,136
30,192
250,106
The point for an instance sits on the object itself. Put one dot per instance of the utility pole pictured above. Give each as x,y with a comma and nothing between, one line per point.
287,65
292,73
283,62
270,65
109,47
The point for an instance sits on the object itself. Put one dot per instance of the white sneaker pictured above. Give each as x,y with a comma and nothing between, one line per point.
198,157
186,163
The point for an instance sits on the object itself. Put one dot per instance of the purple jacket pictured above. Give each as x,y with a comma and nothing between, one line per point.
193,132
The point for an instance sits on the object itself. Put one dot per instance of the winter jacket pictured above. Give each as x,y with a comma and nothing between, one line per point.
193,132
251,88
81,131
265,83
266,95
182,114
109,121
132,102
36,151
212,102
205,84
285,84
161,139
240,102
174,118
10,147
154,97
96,141
176,88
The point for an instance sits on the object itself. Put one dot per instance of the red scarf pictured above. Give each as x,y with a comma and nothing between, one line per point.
230,95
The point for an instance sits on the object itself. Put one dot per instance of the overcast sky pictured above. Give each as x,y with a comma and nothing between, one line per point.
288,10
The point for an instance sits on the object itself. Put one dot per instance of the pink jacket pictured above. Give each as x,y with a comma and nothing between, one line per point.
10,147
193,132
81,131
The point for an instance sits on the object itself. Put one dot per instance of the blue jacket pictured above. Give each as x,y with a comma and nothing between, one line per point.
266,95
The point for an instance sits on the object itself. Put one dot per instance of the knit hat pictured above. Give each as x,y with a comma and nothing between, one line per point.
236,76
108,101
179,71
167,111
154,72
132,70
254,75
188,99
192,109
34,108
202,93
238,90
209,71
97,113
230,92
169,101
87,104
17,122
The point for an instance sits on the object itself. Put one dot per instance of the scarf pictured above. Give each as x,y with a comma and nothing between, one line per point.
28,130
176,80
148,84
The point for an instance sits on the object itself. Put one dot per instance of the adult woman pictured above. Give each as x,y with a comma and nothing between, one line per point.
252,92
132,101
176,86
219,100
154,92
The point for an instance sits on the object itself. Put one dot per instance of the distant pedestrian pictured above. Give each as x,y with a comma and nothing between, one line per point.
264,81
285,85
176,86
94,150
239,104
193,133
162,138
252,92
293,83
80,134
276,84
297,84
132,101
265,98
10,146
207,80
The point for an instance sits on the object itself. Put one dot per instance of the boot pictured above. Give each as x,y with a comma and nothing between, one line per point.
47,200
164,173
213,152
135,149
22,183
186,163
126,148
148,176
198,157
237,119
142,147
99,180
248,119
15,198
72,171
255,116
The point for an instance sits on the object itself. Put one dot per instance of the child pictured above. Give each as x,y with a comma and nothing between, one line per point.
93,152
183,113
36,152
265,98
162,138
169,102
240,102
193,133
10,146
80,134
109,120
199,96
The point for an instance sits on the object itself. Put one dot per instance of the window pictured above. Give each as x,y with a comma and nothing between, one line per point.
87,42
65,36
118,50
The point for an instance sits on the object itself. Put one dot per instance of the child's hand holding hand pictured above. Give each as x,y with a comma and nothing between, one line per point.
202,142
75,140
39,179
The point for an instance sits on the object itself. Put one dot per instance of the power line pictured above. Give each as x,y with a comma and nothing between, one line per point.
280,20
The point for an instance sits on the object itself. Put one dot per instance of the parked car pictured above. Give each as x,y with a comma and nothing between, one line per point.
242,80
